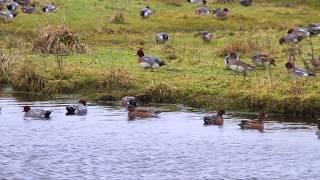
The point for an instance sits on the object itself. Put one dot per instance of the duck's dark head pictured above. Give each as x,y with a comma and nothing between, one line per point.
221,112
226,10
204,1
189,1
291,30
131,108
262,116
273,62
282,40
33,5
233,55
26,108
148,7
140,52
289,65
82,101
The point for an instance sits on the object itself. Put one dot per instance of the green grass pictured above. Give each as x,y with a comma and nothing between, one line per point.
195,71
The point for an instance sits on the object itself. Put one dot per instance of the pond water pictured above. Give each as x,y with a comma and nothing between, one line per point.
105,145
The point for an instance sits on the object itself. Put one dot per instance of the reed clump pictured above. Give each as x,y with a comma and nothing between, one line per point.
240,46
118,78
6,65
161,92
26,77
59,40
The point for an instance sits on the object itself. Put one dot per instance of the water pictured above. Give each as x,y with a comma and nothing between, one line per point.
105,145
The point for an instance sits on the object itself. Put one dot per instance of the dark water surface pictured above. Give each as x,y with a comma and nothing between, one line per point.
105,145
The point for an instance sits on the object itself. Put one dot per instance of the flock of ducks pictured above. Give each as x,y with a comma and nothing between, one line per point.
130,102
9,9
138,112
233,60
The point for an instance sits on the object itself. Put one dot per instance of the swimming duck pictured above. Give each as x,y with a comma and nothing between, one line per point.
49,8
77,109
221,14
198,1
7,15
12,6
263,60
162,37
298,71
140,113
314,29
254,124
146,12
129,100
149,62
206,36
215,119
234,63
29,9
246,3
202,11
36,113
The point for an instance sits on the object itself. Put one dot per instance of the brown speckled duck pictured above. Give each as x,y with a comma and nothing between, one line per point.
254,124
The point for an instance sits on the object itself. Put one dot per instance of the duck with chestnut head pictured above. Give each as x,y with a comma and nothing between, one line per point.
215,119
149,62
36,113
79,108
298,71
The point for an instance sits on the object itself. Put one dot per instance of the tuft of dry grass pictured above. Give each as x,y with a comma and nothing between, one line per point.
161,92
26,77
118,18
59,40
118,78
240,46
6,65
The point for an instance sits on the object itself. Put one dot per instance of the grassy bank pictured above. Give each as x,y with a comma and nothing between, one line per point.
195,74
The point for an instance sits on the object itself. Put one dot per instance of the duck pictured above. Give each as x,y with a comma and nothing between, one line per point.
49,8
290,39
129,100
234,63
215,119
202,11
29,9
162,37
23,2
12,6
221,14
206,36
301,33
36,113
263,60
246,3
134,112
7,15
146,12
149,62
204,2
314,29
298,71
77,109
254,124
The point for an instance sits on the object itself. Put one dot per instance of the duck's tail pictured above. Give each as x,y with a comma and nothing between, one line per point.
206,120
70,110
47,114
243,123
